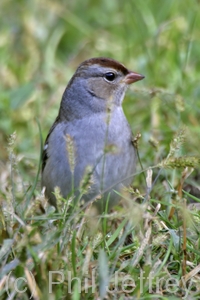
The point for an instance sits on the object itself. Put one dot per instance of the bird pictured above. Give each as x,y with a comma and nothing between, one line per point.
89,151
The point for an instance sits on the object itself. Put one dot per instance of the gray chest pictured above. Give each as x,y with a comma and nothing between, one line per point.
99,142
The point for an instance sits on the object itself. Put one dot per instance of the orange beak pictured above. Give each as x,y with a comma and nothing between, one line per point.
132,77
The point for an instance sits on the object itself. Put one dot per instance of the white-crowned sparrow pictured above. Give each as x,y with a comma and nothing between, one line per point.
91,123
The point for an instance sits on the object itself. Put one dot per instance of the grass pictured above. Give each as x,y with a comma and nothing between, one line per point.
148,247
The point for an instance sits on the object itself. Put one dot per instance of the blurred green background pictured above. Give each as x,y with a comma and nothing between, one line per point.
43,42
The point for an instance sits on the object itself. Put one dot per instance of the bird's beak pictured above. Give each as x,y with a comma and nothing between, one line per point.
132,77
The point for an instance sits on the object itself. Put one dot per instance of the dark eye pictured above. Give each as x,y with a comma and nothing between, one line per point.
110,76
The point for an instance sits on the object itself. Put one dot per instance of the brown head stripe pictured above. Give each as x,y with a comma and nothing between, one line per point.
107,62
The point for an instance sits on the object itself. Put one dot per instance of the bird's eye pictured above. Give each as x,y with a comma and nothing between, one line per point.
110,76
